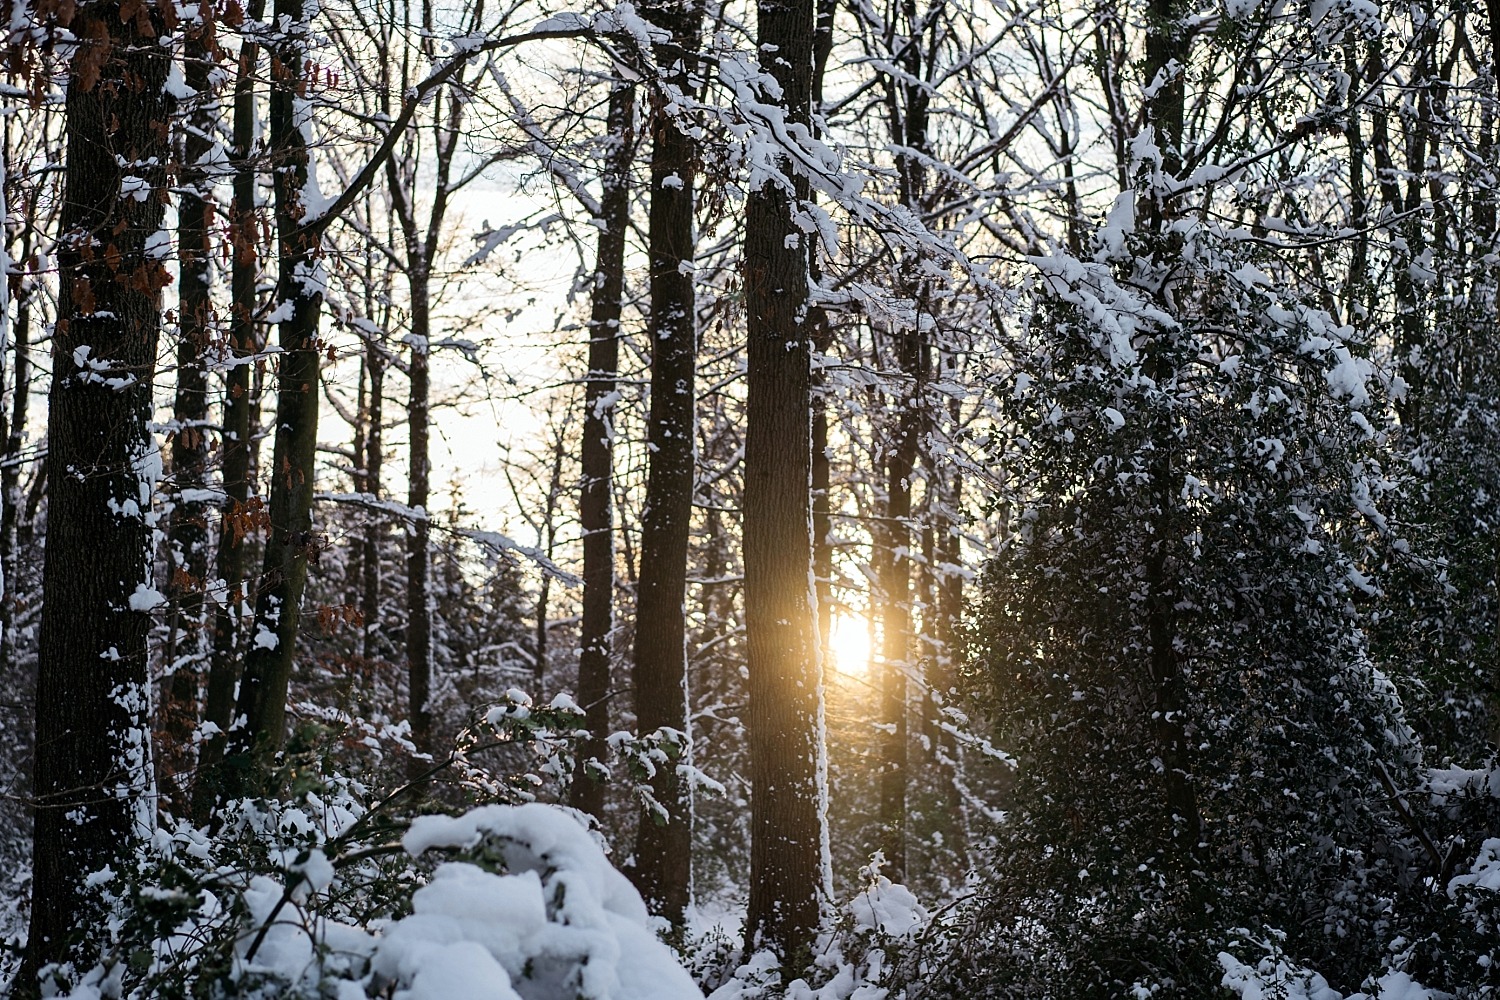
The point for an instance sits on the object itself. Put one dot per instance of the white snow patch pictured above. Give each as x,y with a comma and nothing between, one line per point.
146,598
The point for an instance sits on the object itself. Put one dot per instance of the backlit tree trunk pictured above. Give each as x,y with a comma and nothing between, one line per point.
788,872
596,512
907,109
663,841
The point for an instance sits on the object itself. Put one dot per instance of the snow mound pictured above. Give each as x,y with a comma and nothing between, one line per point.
559,922
889,908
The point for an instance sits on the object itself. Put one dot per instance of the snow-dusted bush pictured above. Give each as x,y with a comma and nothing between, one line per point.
536,913
867,953
526,908
333,891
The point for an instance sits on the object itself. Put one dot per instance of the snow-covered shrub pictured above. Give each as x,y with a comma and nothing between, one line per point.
535,912
1171,635
335,891
1274,978
867,953
526,907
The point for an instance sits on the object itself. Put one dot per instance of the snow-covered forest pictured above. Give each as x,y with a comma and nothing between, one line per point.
815,499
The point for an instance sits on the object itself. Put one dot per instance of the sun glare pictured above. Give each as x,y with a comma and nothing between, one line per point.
849,643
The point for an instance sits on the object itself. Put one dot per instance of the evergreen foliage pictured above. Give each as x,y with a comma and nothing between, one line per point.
1170,638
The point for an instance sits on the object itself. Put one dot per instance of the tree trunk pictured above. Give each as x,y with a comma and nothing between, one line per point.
187,539
369,604
944,603
788,837
547,541
907,103
822,341
419,533
422,251
10,470
92,723
894,577
664,837
237,518
1167,46
278,607
595,511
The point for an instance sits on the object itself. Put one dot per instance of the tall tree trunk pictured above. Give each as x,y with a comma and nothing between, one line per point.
278,606
423,246
894,578
547,541
788,834
11,500
360,428
822,340
664,837
944,603
188,531
237,518
1167,45
369,603
419,534
93,698
907,104
595,510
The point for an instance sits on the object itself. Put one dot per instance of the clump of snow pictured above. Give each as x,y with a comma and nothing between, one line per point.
1486,871
1117,229
561,921
887,907
1445,782
146,598
1275,978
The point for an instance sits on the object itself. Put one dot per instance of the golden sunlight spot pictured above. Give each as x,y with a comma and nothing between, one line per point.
849,643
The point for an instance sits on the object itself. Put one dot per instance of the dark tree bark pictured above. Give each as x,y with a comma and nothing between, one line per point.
278,606
92,725
187,537
1167,46
664,838
906,101
595,510
894,576
369,603
419,533
788,879
11,499
236,516
822,339
547,540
